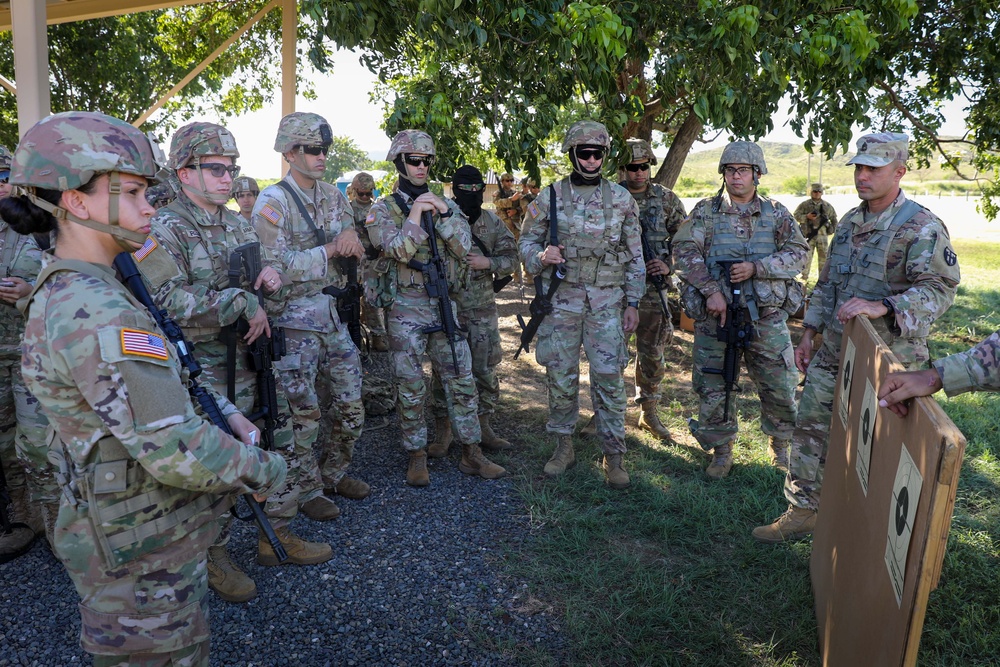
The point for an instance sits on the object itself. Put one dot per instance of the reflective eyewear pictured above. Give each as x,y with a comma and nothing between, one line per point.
419,160
590,154
363,194
470,187
637,167
218,170
4,176
315,150
741,171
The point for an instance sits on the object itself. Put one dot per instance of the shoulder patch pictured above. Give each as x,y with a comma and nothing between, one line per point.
533,210
370,219
147,247
136,342
270,214
949,256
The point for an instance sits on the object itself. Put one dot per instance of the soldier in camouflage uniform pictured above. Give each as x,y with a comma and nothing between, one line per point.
22,427
597,304
361,192
507,203
493,255
738,224
394,227
186,266
125,432
245,192
309,225
891,260
160,195
816,218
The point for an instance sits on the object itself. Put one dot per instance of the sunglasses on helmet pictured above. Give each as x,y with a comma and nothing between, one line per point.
419,160
637,167
315,150
218,170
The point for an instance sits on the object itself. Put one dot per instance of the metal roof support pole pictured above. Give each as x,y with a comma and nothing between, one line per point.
31,62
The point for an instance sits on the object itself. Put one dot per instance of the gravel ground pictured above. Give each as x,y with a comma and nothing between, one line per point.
418,578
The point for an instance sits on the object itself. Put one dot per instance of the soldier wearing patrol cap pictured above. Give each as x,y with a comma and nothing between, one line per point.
891,260
817,219
245,192
768,250
597,304
507,203
361,193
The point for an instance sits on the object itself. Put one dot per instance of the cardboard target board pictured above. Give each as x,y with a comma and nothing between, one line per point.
888,495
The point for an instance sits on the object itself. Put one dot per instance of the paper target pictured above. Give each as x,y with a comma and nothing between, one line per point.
846,380
902,512
866,434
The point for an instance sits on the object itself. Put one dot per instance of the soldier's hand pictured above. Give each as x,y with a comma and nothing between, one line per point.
269,279
811,216
346,244
13,288
856,306
897,388
716,306
803,351
657,267
553,255
436,203
244,429
258,325
630,321
478,262
742,271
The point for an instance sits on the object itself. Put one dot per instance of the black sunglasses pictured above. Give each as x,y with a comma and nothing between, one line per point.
419,160
363,194
218,170
470,187
590,154
637,167
315,150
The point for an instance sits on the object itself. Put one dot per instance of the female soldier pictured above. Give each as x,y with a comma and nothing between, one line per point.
143,476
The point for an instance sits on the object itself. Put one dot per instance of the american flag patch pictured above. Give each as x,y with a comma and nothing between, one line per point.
147,247
370,219
143,344
533,210
270,214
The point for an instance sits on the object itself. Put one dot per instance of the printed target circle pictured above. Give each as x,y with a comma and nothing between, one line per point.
866,423
902,509
847,376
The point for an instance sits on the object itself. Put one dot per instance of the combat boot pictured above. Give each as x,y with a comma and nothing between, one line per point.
722,461
442,438
563,457
794,524
474,462
490,440
615,473
649,420
320,508
299,551
779,453
25,525
380,343
591,427
352,488
228,581
416,473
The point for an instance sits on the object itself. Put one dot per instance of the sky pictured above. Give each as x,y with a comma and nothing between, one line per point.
343,99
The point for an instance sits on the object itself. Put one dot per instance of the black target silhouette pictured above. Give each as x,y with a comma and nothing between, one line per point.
866,421
847,376
902,508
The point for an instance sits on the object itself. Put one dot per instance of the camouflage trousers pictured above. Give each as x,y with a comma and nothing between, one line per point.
373,318
599,333
818,247
770,363
483,330
412,312
651,339
191,656
23,452
322,375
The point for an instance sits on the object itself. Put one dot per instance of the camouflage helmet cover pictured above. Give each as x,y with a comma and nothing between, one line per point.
588,132
363,182
5,158
245,184
743,152
66,150
197,140
410,141
302,128
640,150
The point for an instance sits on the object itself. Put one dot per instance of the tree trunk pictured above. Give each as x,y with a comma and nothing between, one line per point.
670,170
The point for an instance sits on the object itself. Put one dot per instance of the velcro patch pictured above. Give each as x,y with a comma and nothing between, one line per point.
533,210
949,256
147,247
270,214
370,219
136,342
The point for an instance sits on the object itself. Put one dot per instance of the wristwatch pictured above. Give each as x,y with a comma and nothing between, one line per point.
633,304
446,214
888,304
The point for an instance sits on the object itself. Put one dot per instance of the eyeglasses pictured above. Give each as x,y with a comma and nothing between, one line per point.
419,160
470,187
506,180
218,170
590,154
363,194
740,171
315,150
637,167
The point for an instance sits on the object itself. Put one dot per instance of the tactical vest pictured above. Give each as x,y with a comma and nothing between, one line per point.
590,260
11,322
652,209
861,272
458,274
132,513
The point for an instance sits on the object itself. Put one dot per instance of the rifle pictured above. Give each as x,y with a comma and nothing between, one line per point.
659,282
736,334
349,299
823,219
541,305
498,283
133,280
436,283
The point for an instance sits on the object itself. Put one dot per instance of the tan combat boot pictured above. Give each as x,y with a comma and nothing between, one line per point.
722,461
474,462
591,427
25,525
779,453
563,457
491,441
320,508
354,489
416,473
299,551
380,343
649,420
615,473
442,438
228,581
794,524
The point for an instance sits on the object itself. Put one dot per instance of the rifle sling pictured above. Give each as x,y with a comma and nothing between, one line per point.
320,234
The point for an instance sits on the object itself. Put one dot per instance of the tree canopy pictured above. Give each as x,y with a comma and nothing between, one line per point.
345,155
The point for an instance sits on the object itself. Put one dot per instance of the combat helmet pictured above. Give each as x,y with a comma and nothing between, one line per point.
302,128
410,141
5,158
743,152
640,150
363,181
197,140
586,132
245,184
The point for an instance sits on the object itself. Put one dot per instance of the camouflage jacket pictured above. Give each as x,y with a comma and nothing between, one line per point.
922,273
283,229
360,212
502,248
22,258
976,369
509,210
195,290
618,233
662,212
819,226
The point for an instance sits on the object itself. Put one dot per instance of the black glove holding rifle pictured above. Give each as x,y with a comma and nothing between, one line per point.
734,331
541,305
132,279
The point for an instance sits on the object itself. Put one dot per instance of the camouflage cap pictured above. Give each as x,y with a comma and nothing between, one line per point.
506,176
363,182
66,150
245,184
588,132
816,187
160,194
641,150
5,158
411,141
881,148
302,129
743,152
197,140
